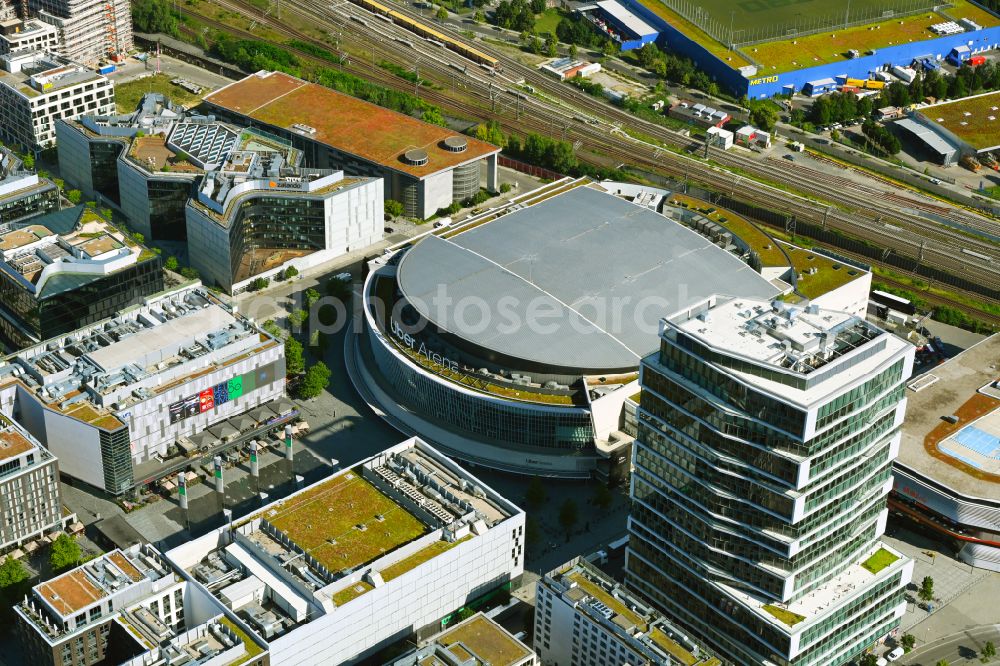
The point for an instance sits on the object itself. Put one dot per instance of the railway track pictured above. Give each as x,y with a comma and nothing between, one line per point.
482,96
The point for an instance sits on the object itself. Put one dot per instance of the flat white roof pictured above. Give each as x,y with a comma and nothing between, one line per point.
627,18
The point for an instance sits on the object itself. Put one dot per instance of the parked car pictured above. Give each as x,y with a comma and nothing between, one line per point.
895,654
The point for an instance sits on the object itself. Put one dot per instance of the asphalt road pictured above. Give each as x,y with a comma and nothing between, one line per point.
957,649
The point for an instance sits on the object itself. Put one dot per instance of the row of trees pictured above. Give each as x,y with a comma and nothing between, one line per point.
881,137
675,68
154,16
64,554
518,15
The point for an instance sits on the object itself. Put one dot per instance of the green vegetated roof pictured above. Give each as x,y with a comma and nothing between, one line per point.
881,559
784,615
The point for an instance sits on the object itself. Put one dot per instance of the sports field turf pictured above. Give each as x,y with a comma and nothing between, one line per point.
969,119
324,522
779,15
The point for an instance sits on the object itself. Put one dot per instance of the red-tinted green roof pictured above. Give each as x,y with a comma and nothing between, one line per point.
345,123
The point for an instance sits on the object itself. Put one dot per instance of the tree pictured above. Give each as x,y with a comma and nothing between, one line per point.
433,116
535,496
603,497
490,132
316,380
74,196
479,16
28,160
12,576
868,659
170,263
297,317
942,662
442,14
572,51
551,48
294,362
538,6
260,283
764,116
311,296
927,588
291,272
568,515
139,238
393,208
64,553
908,641
989,651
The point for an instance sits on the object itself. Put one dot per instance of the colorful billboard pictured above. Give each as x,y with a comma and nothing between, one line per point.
220,394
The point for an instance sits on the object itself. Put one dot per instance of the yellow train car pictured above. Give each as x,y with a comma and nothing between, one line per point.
430,34
874,84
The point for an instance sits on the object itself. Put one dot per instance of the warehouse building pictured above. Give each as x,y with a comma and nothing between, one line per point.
38,88
425,167
947,475
128,607
122,400
453,332
68,269
768,57
23,193
395,545
29,486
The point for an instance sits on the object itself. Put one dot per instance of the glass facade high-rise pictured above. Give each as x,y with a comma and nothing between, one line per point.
766,435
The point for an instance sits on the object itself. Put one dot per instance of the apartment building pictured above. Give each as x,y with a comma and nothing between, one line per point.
38,88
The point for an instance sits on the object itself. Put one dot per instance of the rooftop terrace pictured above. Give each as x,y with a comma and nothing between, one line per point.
345,123
799,353
960,459
108,575
632,620
879,562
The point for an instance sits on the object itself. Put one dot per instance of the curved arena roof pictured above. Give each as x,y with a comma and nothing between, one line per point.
579,280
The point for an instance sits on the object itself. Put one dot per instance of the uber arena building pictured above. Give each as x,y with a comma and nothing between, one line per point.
513,341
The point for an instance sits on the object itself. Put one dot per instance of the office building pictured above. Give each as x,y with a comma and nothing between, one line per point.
762,466
68,269
38,88
585,618
90,31
23,194
31,504
425,167
477,641
947,475
128,607
32,34
257,214
454,332
239,196
362,559
121,400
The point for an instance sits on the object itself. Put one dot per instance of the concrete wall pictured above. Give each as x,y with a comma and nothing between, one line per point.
435,193
851,297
